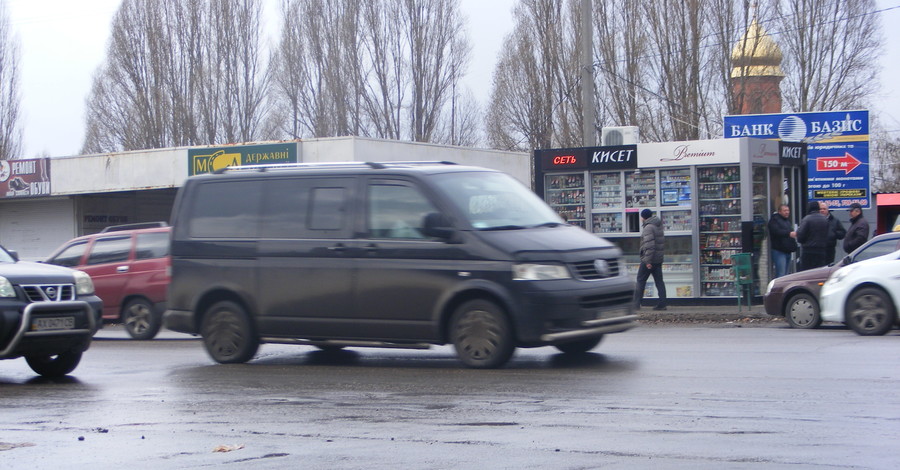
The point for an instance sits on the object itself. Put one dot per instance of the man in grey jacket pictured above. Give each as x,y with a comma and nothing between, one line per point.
652,250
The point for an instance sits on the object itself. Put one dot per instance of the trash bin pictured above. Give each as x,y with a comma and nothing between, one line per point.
743,276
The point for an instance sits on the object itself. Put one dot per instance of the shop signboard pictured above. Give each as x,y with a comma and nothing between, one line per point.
620,157
689,153
25,178
837,152
210,159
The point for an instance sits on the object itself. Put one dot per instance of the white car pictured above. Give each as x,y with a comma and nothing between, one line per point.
864,295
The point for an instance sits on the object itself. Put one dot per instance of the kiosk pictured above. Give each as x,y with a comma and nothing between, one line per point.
714,198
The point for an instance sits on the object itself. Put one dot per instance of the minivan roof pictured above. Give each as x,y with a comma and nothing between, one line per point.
345,168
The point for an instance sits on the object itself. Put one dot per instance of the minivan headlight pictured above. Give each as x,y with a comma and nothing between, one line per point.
83,283
6,288
539,272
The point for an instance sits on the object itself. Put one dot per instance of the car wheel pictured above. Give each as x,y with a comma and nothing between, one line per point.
228,334
870,312
482,335
802,311
50,365
579,346
141,322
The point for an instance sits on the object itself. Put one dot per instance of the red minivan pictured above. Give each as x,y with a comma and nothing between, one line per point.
129,265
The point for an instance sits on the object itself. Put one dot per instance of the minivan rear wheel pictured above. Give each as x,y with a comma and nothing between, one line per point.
482,335
140,321
227,333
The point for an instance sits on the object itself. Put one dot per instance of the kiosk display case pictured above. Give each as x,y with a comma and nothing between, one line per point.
720,228
565,194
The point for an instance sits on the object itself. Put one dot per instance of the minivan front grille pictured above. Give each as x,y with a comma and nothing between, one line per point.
588,270
613,299
49,292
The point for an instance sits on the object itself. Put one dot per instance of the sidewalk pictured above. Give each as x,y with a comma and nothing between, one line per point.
705,314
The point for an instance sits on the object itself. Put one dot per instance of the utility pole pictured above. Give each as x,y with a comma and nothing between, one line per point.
589,134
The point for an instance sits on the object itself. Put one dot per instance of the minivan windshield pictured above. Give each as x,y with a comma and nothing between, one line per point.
496,201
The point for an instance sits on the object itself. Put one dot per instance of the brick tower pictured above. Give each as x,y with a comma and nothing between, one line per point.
757,73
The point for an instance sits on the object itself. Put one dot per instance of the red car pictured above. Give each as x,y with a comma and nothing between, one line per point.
129,265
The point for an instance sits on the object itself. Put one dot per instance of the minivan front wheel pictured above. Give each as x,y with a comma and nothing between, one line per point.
227,333
141,322
482,335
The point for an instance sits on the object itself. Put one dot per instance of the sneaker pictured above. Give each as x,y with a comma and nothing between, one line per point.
660,307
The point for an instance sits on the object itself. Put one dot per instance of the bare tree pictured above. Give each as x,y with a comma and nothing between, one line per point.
10,130
535,100
830,49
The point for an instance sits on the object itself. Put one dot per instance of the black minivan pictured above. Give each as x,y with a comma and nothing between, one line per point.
401,254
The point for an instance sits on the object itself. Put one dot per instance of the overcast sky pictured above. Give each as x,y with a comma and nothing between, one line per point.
64,42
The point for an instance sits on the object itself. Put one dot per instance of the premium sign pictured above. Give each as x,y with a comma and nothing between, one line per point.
687,153
25,178
837,154
208,160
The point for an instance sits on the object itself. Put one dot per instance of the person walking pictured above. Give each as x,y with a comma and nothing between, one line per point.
813,236
835,232
652,251
782,239
858,232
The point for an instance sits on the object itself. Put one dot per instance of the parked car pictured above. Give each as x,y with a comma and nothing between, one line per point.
48,314
129,266
864,295
387,255
796,296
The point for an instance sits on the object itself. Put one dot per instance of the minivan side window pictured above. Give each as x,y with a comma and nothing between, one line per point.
152,245
110,250
226,210
397,211
70,256
326,209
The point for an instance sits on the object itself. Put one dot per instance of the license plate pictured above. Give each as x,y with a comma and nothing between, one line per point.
53,323
612,313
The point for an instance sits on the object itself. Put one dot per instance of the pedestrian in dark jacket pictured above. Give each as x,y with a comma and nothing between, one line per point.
782,238
813,237
859,229
835,232
652,253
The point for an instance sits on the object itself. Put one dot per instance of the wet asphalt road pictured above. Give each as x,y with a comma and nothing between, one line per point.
663,396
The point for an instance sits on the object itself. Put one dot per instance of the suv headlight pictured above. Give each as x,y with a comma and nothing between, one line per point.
83,283
6,288
539,272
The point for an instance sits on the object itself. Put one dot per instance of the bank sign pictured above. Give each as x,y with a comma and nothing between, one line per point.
837,152
210,159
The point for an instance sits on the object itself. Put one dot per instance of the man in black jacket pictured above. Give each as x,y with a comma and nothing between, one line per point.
859,229
835,232
813,237
782,239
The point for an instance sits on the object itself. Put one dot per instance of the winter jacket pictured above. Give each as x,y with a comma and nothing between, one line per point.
780,234
813,232
835,231
652,241
857,234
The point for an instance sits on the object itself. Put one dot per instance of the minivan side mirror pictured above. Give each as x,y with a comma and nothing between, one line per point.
437,225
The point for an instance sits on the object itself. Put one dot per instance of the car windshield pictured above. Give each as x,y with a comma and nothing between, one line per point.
5,257
496,201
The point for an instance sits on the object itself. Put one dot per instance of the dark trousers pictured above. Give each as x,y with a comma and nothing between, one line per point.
642,275
811,259
829,254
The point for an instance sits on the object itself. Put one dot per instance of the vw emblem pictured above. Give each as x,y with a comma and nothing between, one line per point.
51,292
602,267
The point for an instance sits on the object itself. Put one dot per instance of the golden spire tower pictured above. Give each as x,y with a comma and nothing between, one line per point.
756,72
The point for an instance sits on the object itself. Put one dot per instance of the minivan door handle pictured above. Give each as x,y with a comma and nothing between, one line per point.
339,248
122,269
